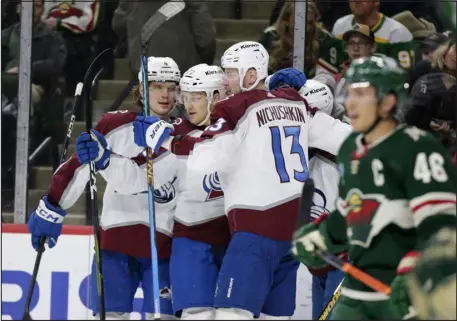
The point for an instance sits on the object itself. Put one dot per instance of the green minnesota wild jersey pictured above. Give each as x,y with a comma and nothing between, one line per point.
392,39
393,195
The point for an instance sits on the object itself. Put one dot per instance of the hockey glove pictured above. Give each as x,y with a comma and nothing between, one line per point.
305,240
151,132
46,221
93,147
400,304
289,76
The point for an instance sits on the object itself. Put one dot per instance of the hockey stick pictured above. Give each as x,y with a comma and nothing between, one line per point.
92,73
76,103
63,154
305,208
167,11
353,271
331,303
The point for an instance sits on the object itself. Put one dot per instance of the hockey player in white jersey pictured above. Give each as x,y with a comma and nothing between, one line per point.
258,144
201,231
124,233
324,171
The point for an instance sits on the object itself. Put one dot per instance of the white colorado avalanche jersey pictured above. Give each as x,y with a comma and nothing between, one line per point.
125,200
324,172
127,181
262,156
201,198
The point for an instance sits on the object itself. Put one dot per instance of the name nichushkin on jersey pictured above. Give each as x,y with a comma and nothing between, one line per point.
279,112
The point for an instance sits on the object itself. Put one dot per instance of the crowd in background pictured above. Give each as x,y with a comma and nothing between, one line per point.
415,34
67,35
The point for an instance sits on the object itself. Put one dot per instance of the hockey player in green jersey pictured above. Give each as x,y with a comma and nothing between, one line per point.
396,189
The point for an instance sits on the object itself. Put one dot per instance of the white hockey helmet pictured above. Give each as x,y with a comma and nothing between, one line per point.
318,95
161,69
244,56
204,78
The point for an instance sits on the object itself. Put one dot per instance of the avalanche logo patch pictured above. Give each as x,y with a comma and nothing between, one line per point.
165,193
212,187
319,204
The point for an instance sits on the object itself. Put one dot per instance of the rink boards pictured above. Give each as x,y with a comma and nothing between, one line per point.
63,279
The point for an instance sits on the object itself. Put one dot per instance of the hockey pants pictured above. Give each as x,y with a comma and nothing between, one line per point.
122,275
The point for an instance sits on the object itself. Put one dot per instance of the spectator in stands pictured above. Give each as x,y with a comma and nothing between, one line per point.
359,42
431,43
278,40
439,59
9,13
420,28
433,94
426,10
47,61
332,10
75,21
189,37
48,56
392,38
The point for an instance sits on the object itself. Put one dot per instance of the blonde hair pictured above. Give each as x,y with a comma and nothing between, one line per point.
438,56
282,48
137,98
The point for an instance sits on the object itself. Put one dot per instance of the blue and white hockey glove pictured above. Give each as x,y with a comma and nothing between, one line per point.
289,76
46,221
93,148
151,132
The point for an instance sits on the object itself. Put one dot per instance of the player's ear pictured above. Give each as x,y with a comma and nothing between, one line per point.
251,77
216,98
387,105
141,90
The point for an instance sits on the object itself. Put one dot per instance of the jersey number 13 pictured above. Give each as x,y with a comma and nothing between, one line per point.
296,148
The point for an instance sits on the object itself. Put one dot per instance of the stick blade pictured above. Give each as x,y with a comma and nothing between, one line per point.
165,12
172,8
97,64
306,202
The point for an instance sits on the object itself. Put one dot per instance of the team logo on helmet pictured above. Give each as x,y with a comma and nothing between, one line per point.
212,187
165,193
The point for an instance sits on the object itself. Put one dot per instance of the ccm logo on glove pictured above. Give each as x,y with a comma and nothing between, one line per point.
48,215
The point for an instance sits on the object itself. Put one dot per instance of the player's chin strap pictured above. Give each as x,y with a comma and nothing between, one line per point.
208,110
372,127
377,120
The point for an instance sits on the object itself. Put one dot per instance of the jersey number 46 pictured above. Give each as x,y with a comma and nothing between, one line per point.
276,144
